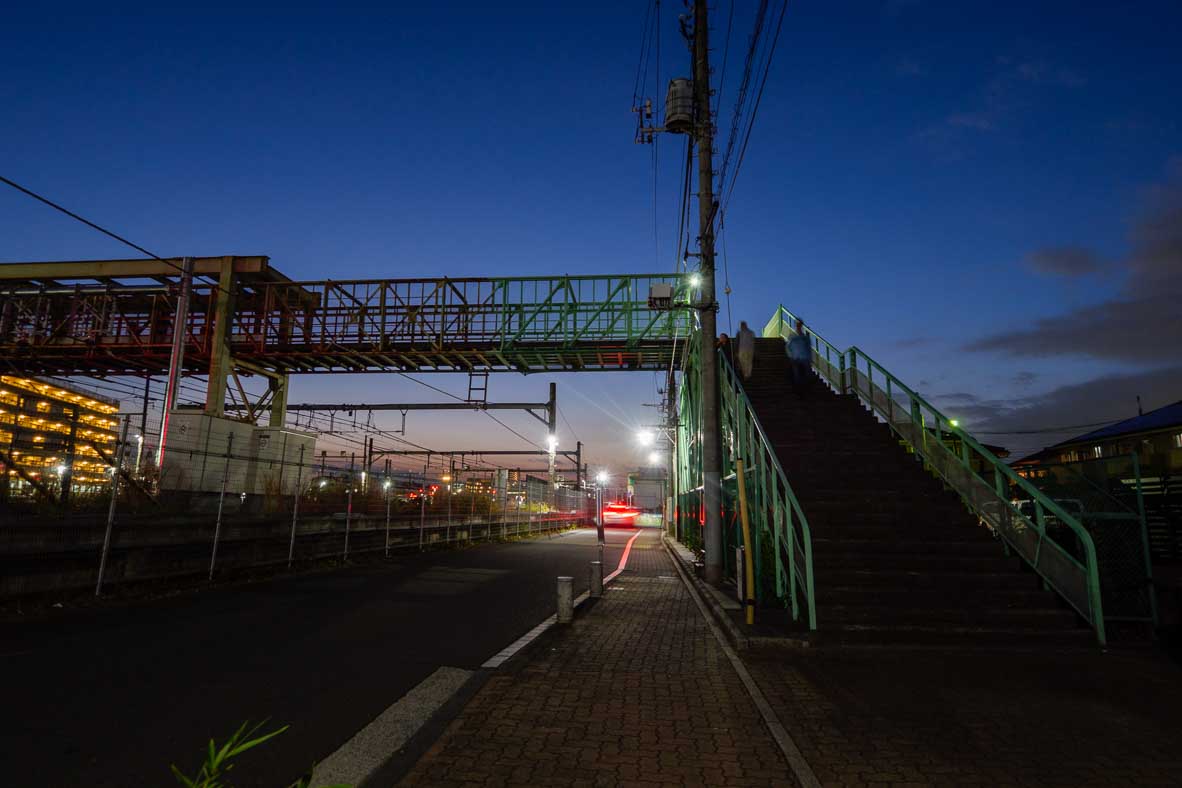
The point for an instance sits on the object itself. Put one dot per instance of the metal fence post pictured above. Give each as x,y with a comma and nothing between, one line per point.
422,509
387,519
348,514
217,528
98,587
295,508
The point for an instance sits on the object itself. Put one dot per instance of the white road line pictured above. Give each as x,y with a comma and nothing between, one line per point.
365,753
796,761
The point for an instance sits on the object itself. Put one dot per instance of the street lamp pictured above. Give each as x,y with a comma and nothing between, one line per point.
695,280
654,458
645,437
601,478
139,452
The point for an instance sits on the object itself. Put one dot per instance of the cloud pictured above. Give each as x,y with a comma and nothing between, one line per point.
1040,73
981,121
907,67
1024,379
1105,399
1144,322
1067,261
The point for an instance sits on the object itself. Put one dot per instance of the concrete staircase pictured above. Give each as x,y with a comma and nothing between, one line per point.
897,557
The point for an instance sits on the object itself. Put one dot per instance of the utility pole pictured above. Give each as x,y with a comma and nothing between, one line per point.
711,426
176,361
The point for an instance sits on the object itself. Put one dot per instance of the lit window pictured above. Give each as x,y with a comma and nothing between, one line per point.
1097,451
1178,440
43,407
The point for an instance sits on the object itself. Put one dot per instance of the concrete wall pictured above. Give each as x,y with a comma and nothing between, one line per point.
262,460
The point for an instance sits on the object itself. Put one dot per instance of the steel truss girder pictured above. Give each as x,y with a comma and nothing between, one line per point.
526,324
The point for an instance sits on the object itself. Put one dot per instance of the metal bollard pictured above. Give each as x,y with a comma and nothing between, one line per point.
596,579
566,599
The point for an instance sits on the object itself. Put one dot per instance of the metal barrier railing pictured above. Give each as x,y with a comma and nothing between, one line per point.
983,481
775,511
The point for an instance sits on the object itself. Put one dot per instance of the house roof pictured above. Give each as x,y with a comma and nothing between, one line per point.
1160,419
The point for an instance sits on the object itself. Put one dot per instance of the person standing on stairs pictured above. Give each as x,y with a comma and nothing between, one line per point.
746,350
800,354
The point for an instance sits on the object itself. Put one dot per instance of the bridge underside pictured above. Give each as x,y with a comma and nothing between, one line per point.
125,358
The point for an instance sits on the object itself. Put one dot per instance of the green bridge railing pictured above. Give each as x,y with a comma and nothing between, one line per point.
782,548
985,483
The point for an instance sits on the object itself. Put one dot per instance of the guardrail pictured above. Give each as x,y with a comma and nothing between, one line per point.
982,480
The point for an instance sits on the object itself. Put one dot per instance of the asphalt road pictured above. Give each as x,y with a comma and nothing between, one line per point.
112,696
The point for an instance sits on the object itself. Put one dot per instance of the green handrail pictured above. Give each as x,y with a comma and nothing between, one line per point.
773,504
985,491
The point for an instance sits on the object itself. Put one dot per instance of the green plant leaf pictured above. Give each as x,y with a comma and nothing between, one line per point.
258,740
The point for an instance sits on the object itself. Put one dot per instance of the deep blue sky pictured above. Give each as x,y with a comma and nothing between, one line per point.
925,180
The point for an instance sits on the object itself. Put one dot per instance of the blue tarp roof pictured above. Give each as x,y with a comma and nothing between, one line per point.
1160,419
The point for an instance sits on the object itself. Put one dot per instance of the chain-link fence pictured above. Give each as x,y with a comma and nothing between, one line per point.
1105,495
249,513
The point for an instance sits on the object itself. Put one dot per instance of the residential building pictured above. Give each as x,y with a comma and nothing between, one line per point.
54,437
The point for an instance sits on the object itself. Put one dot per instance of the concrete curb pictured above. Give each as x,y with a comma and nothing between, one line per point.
801,770
718,610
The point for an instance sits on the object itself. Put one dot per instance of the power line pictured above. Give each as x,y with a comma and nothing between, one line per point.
103,230
755,108
744,84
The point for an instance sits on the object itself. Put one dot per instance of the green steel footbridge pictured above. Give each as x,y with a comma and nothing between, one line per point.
118,317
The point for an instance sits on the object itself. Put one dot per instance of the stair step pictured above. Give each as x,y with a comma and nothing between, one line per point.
930,616
901,578
912,562
1002,595
830,544
943,636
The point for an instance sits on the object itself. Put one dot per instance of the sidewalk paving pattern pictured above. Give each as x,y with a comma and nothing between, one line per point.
900,719
636,692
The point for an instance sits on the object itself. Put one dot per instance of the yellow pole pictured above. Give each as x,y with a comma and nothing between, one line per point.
748,559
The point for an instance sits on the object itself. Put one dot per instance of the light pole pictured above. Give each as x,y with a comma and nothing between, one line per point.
601,479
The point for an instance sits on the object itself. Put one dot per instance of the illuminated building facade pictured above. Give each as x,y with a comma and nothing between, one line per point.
55,436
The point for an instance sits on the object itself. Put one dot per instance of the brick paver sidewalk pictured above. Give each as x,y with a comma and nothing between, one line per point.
636,692
901,719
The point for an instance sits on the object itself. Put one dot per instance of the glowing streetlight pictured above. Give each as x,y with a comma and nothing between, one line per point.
552,442
601,477
61,470
695,280
954,422
654,458
645,437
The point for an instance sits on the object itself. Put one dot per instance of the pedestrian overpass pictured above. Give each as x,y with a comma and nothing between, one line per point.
118,317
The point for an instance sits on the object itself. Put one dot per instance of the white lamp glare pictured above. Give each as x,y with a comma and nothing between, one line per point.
695,280
654,458
645,437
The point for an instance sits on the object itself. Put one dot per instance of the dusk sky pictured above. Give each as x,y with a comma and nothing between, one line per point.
987,198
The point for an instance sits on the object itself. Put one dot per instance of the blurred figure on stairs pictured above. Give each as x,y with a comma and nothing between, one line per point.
746,350
800,353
